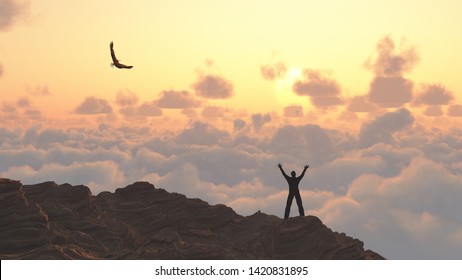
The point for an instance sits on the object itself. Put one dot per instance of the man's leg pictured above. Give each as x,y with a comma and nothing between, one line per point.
288,204
299,203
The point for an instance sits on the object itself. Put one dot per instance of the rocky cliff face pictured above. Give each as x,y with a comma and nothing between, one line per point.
50,221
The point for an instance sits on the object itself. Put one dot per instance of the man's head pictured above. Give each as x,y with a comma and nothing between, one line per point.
293,173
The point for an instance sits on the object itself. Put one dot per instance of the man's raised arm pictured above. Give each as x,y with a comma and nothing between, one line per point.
282,170
303,173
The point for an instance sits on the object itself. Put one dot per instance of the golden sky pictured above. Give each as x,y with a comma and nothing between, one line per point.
62,48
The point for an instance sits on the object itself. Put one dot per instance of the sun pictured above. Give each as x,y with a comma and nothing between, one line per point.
283,89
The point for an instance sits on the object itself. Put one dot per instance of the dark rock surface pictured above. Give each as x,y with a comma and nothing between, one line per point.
50,221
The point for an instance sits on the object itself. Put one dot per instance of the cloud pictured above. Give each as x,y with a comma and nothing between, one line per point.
390,92
315,84
189,112
259,120
9,138
326,101
177,100
92,174
214,112
425,178
20,111
189,179
455,110
40,91
360,104
411,216
128,101
9,114
433,111
23,102
44,138
213,87
149,109
388,88
309,142
16,157
293,111
391,62
201,134
391,158
394,187
126,98
8,108
272,72
382,128
146,109
434,94
322,90
10,12
239,124
33,113
338,174
348,116
92,106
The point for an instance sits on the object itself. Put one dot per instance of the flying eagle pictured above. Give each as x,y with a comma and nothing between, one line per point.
115,62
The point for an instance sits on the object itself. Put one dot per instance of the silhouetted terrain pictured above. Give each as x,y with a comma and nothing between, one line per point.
50,221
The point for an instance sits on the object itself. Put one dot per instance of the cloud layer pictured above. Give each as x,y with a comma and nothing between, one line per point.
398,191
382,128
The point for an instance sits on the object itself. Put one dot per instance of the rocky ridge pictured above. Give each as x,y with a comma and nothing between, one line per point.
50,221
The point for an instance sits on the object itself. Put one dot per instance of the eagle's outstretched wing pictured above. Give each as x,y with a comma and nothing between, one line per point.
115,61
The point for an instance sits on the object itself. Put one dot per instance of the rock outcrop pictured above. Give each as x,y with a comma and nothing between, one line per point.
50,221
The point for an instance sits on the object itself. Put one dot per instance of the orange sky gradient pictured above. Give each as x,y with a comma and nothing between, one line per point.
63,47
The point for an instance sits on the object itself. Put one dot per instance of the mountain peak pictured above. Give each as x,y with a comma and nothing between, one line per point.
140,221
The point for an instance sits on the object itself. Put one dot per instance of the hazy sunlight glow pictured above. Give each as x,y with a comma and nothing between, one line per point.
284,92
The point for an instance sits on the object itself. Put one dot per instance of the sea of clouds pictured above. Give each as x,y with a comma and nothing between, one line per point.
395,184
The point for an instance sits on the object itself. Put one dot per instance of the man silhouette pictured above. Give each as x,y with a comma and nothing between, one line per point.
293,190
